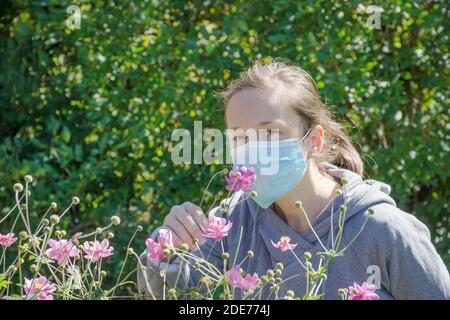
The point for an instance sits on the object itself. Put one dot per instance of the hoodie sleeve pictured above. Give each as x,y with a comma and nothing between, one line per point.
412,266
178,274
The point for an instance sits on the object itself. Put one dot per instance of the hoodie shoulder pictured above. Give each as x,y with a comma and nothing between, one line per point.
400,247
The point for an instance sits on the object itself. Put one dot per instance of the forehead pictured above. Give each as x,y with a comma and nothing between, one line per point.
251,106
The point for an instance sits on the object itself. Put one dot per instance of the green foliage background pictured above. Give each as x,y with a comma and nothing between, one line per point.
90,111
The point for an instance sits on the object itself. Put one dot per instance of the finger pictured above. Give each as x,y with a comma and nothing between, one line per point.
181,231
199,218
194,231
176,240
196,213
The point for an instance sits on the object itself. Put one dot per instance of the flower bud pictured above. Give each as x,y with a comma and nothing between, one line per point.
298,204
250,254
342,292
98,231
45,222
323,276
308,265
371,211
225,255
342,208
115,220
307,255
290,293
130,251
166,252
63,233
28,178
18,187
54,219
254,194
269,274
110,235
339,192
47,230
23,235
172,293
75,200
139,228
279,266
28,193
278,272
33,268
184,246
58,233
54,205
103,273
344,181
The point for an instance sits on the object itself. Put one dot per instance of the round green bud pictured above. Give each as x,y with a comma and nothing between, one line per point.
28,178
184,246
23,235
290,293
269,274
47,230
98,231
339,192
18,187
253,194
225,255
45,222
130,251
250,254
279,266
139,228
307,255
166,252
172,292
110,235
323,276
298,204
76,200
371,211
115,220
54,205
54,219
103,273
308,265
344,181
342,208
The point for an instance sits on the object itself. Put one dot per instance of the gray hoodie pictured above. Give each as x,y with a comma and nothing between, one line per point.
394,250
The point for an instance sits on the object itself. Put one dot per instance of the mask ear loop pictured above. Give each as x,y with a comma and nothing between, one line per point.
306,134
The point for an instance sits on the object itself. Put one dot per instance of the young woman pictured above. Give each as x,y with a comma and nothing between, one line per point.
394,247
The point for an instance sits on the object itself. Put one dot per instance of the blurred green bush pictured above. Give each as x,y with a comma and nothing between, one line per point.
90,111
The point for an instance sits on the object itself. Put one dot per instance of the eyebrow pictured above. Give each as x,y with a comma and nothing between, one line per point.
262,123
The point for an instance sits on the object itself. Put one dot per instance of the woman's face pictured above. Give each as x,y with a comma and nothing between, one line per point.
254,108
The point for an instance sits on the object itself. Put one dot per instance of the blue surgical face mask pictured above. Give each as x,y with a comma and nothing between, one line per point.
280,165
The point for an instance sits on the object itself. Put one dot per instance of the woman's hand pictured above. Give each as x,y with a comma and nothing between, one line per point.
186,222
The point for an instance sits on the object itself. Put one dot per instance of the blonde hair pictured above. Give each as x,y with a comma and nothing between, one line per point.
280,74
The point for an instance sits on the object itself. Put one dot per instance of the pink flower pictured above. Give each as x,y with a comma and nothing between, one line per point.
216,228
7,239
284,244
62,250
98,250
238,281
155,249
39,288
242,178
364,292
